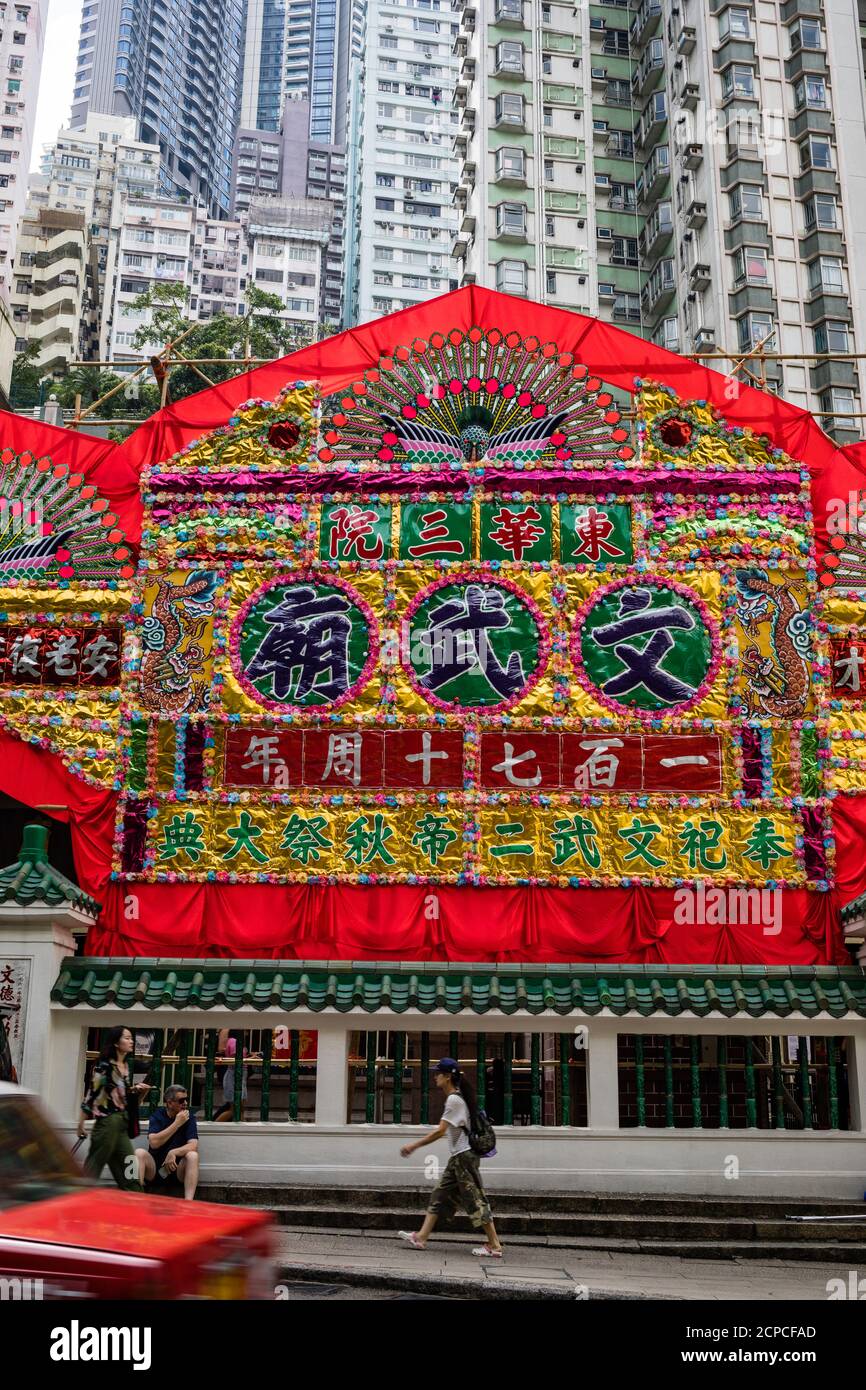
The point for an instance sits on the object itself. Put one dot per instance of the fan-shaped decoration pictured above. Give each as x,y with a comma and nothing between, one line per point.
54,528
463,399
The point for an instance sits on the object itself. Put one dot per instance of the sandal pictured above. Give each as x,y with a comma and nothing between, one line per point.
411,1238
484,1252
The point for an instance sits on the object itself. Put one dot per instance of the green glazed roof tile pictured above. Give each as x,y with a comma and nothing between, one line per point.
33,882
339,987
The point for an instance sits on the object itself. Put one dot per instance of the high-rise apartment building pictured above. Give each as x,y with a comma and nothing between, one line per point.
93,171
690,169
262,94
286,241
176,67
401,177
161,240
288,164
49,291
22,38
300,50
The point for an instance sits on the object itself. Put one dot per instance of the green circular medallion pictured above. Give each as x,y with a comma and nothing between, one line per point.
474,644
644,645
303,643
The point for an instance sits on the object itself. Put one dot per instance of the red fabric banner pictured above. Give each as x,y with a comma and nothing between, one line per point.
337,922
39,779
849,831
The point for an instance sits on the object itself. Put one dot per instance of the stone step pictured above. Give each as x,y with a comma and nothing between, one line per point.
539,1204
407,1215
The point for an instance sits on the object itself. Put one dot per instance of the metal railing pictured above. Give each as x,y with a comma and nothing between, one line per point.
520,1078
717,1082
270,1076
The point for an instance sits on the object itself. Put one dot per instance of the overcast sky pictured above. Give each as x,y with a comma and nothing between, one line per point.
58,72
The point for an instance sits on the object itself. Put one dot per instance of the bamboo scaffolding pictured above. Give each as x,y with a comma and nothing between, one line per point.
171,358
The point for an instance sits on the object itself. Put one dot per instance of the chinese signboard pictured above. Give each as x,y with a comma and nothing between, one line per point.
508,677
14,982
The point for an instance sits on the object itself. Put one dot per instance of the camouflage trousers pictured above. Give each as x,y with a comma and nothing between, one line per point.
460,1187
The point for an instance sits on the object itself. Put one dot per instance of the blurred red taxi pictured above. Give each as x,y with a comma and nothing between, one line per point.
84,1241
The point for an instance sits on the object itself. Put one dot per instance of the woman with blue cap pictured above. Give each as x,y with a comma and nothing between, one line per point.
460,1184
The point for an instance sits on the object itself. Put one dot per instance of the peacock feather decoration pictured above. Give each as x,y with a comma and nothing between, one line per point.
461,399
55,528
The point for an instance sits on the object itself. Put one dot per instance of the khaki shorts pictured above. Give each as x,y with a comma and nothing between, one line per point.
460,1187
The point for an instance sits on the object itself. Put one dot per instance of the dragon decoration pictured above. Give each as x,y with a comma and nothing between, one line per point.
522,643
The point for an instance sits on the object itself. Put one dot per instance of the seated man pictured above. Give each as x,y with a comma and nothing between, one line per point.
172,1137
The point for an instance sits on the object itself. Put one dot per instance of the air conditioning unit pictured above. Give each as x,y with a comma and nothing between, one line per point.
604,233
705,338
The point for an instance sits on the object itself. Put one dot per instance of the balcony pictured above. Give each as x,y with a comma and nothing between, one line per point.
655,174
652,121
644,20
658,231
652,63
659,288
696,213
700,277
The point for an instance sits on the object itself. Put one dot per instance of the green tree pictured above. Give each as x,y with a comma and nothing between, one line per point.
24,387
259,333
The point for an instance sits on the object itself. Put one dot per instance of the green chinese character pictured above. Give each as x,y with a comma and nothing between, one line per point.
364,844
182,835
697,841
511,828
765,844
304,839
433,835
640,835
245,835
575,836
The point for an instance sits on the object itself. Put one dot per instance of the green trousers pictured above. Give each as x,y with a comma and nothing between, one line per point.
110,1144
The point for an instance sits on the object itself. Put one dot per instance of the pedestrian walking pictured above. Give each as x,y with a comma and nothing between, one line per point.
112,1103
460,1184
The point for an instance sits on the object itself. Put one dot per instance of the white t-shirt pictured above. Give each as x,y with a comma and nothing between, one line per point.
456,1117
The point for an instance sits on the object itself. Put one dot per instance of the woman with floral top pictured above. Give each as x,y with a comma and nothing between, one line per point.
112,1102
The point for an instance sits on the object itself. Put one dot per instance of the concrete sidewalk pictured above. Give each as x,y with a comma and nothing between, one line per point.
374,1260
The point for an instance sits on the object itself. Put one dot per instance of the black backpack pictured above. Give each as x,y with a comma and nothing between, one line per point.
482,1136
